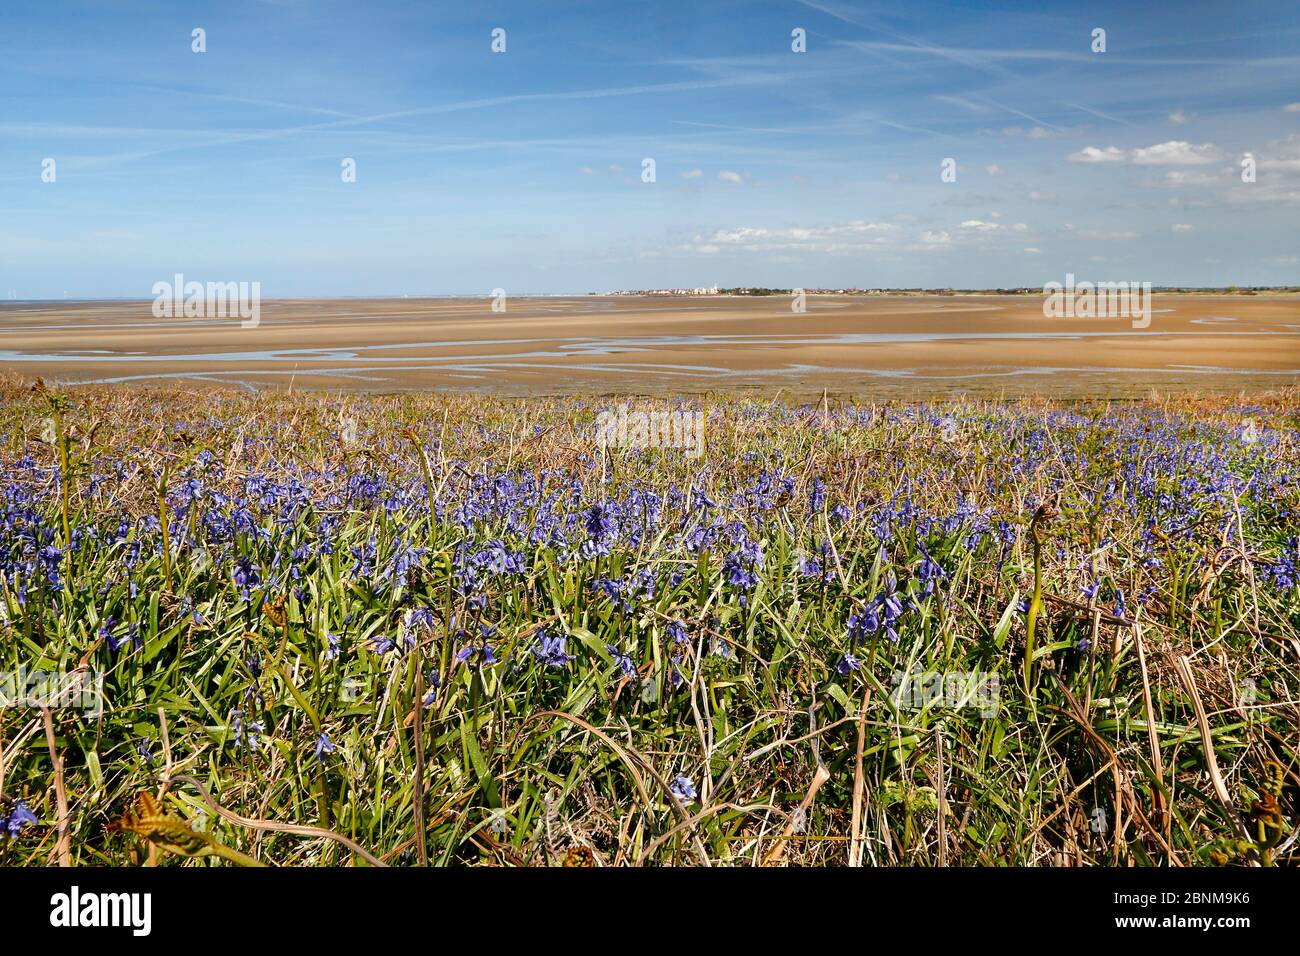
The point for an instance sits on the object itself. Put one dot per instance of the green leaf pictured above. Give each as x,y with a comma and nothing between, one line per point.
475,756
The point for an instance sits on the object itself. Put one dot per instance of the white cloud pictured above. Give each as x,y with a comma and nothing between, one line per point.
742,235
1178,117
1103,236
693,174
1283,260
586,170
727,176
1032,251
854,236
1036,196
993,169
1182,227
1176,152
1292,107
1091,154
1279,194
1176,177
1034,132
1282,156
859,226
1279,182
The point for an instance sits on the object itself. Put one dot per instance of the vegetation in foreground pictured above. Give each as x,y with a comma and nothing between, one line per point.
450,630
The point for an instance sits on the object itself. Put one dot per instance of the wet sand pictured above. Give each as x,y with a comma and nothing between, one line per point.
880,345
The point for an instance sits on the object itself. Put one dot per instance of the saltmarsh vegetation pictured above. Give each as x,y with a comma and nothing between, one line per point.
339,630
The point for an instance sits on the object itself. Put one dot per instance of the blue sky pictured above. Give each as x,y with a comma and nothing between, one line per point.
522,170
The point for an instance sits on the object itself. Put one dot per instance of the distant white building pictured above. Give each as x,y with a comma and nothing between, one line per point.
701,291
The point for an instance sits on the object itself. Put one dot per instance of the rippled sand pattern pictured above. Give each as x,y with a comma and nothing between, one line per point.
906,345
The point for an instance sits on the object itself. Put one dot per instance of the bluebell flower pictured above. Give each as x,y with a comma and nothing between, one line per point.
105,634
864,623
550,649
431,695
246,575
892,607
364,556
247,734
405,560
738,575
380,643
600,522
624,662
323,746
808,566
682,788
929,572
19,817
484,652
416,619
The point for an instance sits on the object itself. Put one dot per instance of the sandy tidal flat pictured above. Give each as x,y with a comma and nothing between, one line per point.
904,345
